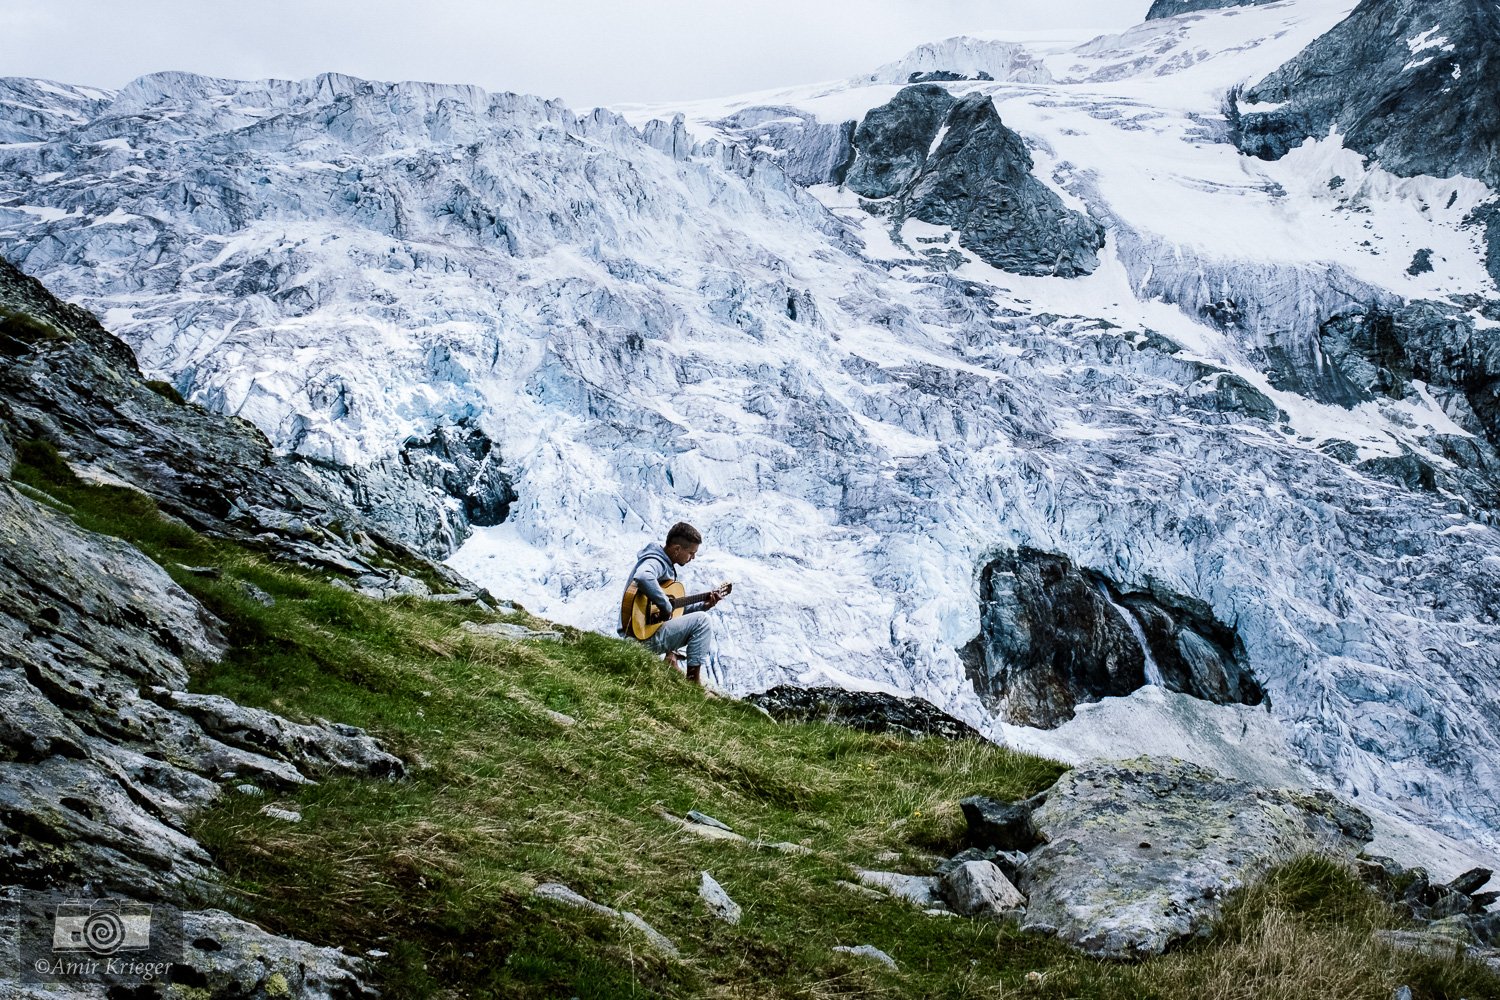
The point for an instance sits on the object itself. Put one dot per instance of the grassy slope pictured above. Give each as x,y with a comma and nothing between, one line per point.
437,869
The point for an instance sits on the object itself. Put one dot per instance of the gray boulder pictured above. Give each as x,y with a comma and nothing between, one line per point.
1003,825
1140,855
979,889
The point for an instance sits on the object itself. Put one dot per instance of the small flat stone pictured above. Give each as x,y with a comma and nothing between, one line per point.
208,572
561,719
867,951
706,820
248,789
719,903
508,630
559,893
700,830
658,940
920,890
276,812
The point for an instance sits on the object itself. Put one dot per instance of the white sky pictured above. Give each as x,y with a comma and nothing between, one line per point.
584,51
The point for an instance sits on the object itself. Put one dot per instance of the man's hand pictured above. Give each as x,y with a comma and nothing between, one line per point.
712,599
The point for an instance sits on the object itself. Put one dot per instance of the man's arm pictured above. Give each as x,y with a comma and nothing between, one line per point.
651,587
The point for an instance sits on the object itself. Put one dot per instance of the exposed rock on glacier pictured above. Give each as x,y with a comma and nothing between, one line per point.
954,163
1054,635
460,465
892,141
978,181
1140,855
1411,83
1171,8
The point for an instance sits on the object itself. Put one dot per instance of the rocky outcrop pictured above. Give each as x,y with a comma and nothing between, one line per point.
870,711
979,181
954,163
1450,347
66,381
892,141
1171,8
104,755
1141,855
1054,635
1409,83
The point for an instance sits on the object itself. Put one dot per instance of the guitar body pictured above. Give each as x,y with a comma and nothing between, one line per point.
637,615
640,620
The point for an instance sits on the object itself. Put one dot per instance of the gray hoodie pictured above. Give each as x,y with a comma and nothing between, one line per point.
653,567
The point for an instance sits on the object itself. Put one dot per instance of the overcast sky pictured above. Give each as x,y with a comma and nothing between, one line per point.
584,51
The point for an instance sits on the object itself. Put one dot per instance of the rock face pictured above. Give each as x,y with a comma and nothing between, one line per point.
1409,83
892,141
104,755
1139,855
954,163
1054,635
979,181
870,711
1171,8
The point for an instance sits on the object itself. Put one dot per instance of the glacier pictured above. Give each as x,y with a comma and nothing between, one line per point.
678,312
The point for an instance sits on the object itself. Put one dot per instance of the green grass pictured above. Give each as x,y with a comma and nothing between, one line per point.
437,869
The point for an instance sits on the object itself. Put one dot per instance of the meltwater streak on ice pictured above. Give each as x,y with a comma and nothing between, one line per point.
1153,672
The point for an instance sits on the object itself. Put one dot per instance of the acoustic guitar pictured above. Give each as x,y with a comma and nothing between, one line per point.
640,618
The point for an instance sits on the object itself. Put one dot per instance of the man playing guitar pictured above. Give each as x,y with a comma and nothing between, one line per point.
667,623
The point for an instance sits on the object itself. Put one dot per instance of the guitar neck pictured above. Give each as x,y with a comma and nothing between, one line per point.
682,602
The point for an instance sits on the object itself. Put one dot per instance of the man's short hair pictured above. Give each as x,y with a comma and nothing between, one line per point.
683,533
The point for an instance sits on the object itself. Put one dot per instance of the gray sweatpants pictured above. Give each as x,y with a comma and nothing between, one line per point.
693,630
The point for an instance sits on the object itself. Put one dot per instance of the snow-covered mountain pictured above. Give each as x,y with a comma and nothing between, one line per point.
1013,393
